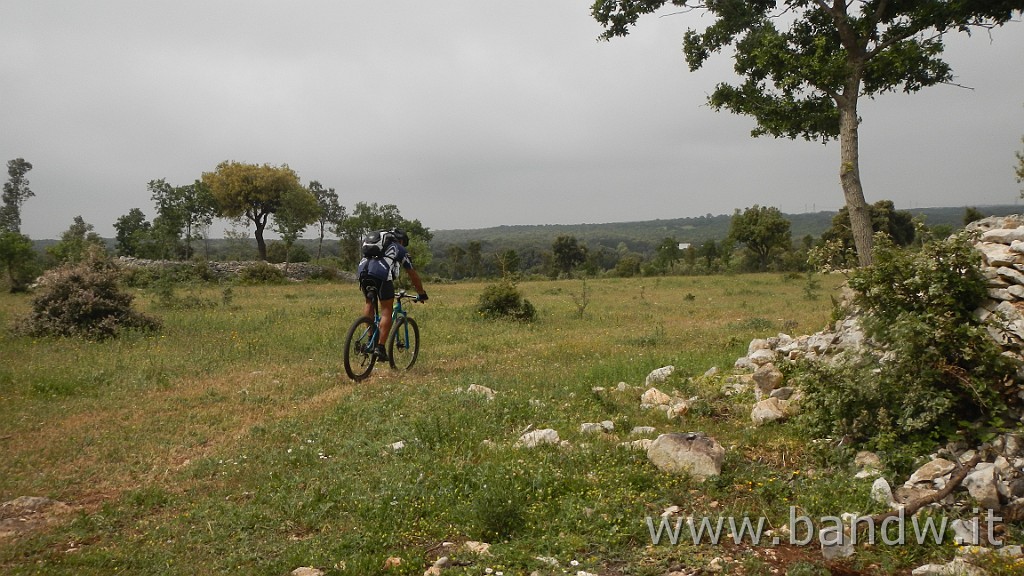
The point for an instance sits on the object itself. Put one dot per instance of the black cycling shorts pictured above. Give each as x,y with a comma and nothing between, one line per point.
385,288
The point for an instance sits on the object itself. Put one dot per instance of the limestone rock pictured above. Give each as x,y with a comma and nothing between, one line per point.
691,453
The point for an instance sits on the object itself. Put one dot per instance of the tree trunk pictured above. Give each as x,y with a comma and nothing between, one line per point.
849,176
261,245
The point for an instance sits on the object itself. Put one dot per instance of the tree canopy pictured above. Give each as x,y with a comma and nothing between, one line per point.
299,208
763,231
16,191
804,64
250,191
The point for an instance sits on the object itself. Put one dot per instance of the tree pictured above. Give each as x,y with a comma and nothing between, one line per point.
197,207
897,224
708,251
972,214
474,258
251,192
75,242
667,254
331,212
508,262
455,255
299,208
807,81
568,253
17,259
16,191
368,217
132,232
763,230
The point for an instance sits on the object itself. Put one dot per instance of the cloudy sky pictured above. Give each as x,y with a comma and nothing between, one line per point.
464,113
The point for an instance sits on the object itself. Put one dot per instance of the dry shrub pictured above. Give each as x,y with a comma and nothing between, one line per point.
85,300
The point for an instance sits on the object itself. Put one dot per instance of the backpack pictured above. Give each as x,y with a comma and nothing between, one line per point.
374,243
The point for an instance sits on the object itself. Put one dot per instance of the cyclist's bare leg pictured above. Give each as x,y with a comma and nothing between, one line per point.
386,308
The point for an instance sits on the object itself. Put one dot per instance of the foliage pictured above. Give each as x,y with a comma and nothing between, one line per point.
17,259
83,299
803,66
1019,169
504,300
76,243
278,252
897,224
299,208
939,368
180,210
972,214
368,217
261,273
251,192
568,253
764,231
132,233
167,274
16,191
331,211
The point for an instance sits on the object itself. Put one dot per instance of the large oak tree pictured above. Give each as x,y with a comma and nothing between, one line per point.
804,64
251,191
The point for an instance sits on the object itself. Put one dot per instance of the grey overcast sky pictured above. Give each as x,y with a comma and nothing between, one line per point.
463,113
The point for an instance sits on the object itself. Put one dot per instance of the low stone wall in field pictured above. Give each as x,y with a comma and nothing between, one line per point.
224,270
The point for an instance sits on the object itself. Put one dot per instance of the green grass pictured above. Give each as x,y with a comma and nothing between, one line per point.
231,441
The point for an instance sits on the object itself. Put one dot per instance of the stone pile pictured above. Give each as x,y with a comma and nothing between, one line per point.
999,239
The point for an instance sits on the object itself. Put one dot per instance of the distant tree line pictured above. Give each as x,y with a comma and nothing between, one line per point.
759,238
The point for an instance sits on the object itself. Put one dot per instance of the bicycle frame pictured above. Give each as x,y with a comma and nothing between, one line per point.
397,311
365,335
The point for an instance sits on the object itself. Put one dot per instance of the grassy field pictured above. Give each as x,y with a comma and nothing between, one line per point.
231,441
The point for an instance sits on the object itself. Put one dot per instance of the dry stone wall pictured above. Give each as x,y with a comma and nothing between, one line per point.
231,269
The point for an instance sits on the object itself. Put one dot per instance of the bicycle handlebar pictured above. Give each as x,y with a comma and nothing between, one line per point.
403,294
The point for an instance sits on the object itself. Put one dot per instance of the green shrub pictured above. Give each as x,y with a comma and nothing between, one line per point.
261,273
177,272
83,299
503,300
940,368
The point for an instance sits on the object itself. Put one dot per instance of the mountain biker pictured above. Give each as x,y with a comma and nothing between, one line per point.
380,274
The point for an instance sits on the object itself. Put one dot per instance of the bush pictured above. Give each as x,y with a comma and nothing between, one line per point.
261,273
174,273
503,300
85,300
940,371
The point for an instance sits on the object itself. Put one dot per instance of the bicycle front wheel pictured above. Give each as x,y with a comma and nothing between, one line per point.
404,343
359,348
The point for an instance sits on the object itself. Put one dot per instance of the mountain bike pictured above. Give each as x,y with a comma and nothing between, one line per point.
403,344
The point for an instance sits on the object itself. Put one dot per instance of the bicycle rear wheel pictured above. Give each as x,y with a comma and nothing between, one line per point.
359,349
404,343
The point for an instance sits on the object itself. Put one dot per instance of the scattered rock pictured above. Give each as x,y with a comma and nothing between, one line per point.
932,470
654,397
536,438
27,513
478,548
769,410
695,454
767,378
659,375
881,492
481,391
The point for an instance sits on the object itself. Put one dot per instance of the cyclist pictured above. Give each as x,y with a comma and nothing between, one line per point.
380,274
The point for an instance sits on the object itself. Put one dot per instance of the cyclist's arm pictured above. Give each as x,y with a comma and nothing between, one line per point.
415,277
